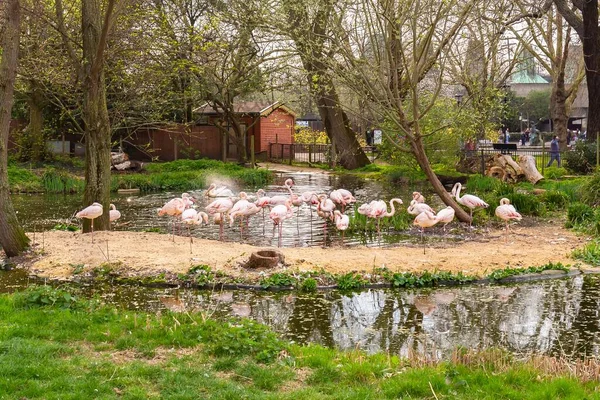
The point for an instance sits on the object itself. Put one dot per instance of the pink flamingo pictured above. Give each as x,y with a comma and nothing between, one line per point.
173,208
280,213
244,208
342,222
325,210
506,211
214,191
468,200
220,206
416,208
192,217
379,210
445,215
263,202
91,212
365,209
418,197
113,214
342,197
425,220
281,199
311,199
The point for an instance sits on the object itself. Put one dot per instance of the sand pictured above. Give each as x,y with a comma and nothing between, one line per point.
152,253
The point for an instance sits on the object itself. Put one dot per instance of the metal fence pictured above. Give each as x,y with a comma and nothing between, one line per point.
541,155
308,153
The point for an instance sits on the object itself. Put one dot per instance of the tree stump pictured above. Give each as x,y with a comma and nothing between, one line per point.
529,168
264,259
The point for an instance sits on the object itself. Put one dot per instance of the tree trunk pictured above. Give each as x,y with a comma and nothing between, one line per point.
558,108
95,115
440,190
347,149
591,55
36,122
12,237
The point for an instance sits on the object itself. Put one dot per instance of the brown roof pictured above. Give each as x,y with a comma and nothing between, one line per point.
261,108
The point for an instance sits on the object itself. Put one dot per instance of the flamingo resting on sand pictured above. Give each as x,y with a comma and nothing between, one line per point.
445,215
220,206
468,200
279,214
91,212
425,220
114,214
342,222
416,208
506,211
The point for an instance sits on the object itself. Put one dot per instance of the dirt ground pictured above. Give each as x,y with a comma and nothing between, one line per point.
151,253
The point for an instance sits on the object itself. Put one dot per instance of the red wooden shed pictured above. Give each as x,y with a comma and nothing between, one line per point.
267,122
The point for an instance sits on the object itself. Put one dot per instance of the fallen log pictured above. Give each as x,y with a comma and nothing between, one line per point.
528,165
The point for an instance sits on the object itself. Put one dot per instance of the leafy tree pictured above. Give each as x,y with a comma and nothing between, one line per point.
12,237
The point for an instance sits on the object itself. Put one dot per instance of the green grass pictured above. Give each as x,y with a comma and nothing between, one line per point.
590,253
86,350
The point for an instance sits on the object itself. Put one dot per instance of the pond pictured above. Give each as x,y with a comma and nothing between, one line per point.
37,212
557,317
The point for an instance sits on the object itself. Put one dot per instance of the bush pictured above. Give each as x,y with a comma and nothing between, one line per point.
46,296
579,213
309,136
483,184
554,172
527,204
581,159
555,200
590,193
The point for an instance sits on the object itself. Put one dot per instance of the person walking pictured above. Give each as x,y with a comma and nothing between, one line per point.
554,152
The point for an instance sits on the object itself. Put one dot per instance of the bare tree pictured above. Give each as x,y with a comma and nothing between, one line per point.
12,237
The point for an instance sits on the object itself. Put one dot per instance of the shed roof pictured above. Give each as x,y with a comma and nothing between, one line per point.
257,108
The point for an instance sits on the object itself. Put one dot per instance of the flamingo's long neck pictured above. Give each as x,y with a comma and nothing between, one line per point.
457,195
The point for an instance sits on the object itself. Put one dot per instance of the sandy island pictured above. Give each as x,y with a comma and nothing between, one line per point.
148,254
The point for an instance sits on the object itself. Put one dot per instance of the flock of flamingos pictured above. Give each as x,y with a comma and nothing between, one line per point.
225,207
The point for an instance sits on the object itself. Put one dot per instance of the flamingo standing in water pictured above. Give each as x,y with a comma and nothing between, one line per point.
113,214
243,208
214,191
468,200
220,206
506,211
425,220
445,215
280,213
91,212
311,199
325,210
342,197
342,222
379,210
416,208
281,199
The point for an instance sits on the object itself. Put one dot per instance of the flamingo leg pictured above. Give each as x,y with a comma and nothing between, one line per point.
93,230
325,233
280,233
221,229
423,239
311,217
471,222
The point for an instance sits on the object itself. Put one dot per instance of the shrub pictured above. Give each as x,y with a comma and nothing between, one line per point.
555,200
590,193
349,281
579,213
309,136
309,285
483,184
590,253
42,296
581,159
554,172
527,204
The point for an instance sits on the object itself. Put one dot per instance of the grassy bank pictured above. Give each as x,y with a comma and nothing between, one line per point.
55,345
177,175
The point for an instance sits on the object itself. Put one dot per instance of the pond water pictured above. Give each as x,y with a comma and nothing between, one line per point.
557,317
37,212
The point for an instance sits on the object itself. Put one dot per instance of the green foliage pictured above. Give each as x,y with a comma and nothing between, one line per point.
187,175
590,253
579,213
507,272
581,159
555,200
22,180
554,172
483,184
46,296
60,181
66,227
590,193
200,274
308,285
350,281
527,204
409,279
278,279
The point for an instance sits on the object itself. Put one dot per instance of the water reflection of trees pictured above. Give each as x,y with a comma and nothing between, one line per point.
554,317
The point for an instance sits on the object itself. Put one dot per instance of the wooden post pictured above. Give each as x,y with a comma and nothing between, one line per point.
252,156
482,163
291,153
310,153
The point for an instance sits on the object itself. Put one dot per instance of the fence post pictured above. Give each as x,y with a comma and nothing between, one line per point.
543,154
252,155
482,164
291,153
310,153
